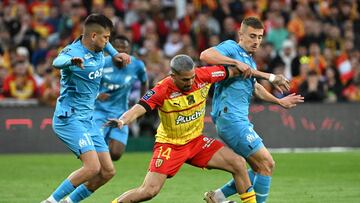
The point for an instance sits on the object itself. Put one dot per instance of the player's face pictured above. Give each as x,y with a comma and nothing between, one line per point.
100,39
184,80
122,46
250,38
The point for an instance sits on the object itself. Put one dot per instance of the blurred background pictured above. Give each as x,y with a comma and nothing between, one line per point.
314,43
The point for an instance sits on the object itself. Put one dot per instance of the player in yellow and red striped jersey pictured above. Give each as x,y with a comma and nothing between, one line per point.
181,100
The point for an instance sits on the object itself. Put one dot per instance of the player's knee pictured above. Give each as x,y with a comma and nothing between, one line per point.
92,170
115,156
238,164
108,173
267,167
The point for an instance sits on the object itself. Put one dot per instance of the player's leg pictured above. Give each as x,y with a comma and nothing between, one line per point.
226,159
73,133
263,164
166,161
243,140
107,169
117,140
210,153
151,186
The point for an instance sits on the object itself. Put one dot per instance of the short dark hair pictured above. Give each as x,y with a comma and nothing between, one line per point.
253,22
181,63
121,38
99,19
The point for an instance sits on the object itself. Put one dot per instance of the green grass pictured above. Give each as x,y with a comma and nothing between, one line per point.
298,178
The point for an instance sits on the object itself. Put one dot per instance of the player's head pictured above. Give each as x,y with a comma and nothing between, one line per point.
97,28
250,34
182,72
121,44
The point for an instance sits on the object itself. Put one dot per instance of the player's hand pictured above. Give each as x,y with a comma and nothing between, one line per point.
114,123
77,61
291,100
121,59
103,96
244,69
281,83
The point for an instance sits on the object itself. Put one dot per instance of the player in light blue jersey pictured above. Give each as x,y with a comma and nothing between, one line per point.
81,64
113,99
230,107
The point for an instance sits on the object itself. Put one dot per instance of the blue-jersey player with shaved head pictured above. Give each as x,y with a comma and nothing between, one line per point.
115,88
81,64
230,108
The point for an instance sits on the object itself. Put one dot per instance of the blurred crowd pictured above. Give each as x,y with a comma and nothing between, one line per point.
314,43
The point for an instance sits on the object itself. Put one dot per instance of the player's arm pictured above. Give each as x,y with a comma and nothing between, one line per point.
129,116
144,87
214,57
121,58
64,60
287,102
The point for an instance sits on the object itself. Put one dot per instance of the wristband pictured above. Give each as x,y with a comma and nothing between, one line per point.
272,77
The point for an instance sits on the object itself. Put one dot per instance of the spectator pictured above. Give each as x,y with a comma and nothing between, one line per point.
20,84
278,33
333,85
312,89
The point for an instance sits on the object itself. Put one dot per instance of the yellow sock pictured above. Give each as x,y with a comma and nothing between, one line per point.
114,201
248,197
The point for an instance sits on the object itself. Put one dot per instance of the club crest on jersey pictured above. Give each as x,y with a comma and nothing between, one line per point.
204,92
148,95
158,162
191,99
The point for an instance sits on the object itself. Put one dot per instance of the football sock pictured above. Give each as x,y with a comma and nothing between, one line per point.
262,187
64,189
219,195
79,194
249,196
229,188
51,199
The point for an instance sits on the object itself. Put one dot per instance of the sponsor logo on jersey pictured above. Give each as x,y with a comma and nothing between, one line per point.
95,74
218,74
88,55
185,119
148,95
175,94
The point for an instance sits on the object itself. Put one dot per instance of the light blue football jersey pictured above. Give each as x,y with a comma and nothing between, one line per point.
79,87
233,94
118,82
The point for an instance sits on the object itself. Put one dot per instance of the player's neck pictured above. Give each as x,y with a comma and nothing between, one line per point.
86,42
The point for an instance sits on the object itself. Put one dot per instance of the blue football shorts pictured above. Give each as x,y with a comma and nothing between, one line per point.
120,135
238,135
79,135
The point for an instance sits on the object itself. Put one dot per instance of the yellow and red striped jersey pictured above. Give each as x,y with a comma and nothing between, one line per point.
182,113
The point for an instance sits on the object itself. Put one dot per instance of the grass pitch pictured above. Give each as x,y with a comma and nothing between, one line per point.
298,178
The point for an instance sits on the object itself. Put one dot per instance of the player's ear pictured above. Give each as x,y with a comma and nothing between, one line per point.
93,35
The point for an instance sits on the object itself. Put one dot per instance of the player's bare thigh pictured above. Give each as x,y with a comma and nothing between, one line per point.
262,162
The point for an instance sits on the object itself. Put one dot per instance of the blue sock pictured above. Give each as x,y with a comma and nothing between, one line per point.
262,187
64,189
230,188
252,176
80,193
